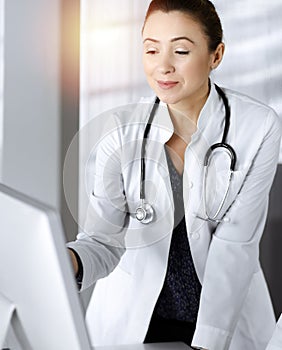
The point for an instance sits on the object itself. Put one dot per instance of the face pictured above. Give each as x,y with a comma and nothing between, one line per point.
176,58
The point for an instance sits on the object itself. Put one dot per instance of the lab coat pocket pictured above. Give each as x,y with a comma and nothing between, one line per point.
222,189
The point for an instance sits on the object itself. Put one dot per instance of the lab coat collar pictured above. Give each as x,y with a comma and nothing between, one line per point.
163,122
211,107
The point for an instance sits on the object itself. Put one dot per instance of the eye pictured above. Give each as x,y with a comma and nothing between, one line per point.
151,51
182,52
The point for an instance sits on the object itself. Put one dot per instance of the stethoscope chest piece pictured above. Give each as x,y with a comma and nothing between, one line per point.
144,213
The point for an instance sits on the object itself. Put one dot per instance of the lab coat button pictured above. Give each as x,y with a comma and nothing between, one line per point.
195,235
191,184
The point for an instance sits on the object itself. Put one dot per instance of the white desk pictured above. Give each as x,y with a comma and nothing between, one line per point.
155,346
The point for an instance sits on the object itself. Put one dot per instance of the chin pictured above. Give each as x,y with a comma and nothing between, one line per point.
168,97
170,100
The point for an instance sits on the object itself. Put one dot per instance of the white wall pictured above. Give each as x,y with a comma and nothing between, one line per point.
1,78
31,145
41,100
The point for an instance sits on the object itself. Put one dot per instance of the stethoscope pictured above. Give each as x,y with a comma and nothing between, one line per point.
145,212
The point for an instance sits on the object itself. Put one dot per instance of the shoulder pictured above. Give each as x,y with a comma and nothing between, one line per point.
123,123
136,111
251,111
247,103
130,119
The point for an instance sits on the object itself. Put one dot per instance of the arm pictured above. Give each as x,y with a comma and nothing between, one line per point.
101,244
74,261
233,254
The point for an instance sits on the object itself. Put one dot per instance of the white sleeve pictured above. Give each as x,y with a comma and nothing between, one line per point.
101,244
233,254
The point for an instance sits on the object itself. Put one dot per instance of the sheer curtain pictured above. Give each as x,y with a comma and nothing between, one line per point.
111,66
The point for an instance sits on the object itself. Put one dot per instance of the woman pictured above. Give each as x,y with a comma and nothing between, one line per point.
192,274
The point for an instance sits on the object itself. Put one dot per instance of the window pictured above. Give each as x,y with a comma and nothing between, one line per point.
111,60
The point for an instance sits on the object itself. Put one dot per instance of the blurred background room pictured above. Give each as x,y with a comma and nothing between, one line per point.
63,63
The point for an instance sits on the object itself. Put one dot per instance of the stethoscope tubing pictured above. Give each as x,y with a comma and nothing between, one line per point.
228,148
145,212
143,146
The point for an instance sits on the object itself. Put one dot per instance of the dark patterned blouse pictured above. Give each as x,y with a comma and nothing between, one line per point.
180,295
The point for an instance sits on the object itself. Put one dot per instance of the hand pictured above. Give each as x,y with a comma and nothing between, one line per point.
74,261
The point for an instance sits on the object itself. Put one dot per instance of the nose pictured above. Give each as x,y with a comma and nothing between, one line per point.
166,65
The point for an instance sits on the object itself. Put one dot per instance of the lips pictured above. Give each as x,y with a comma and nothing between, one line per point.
166,85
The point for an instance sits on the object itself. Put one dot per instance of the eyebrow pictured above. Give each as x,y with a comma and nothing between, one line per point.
172,40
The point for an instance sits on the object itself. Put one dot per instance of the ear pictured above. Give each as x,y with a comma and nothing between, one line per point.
217,56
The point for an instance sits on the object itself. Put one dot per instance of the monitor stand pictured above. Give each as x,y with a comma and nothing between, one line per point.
10,326
9,319
7,310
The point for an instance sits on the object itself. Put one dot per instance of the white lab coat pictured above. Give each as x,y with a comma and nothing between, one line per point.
235,309
276,340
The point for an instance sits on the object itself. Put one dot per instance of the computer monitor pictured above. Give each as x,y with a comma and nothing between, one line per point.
36,276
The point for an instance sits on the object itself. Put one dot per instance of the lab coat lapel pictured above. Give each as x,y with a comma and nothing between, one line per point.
162,130
209,131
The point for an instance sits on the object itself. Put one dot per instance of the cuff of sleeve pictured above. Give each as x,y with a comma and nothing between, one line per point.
79,275
211,338
85,262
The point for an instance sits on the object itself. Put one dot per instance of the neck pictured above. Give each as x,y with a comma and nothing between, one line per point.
185,114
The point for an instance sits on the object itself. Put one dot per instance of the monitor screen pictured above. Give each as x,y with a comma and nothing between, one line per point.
37,277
